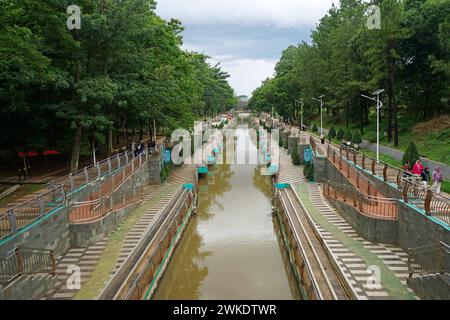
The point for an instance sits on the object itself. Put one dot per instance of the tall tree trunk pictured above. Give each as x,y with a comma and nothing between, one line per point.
361,112
75,157
110,141
393,101
347,115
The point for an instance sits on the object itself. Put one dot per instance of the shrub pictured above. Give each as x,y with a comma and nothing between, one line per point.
332,133
314,128
411,154
340,134
308,171
356,137
295,156
348,135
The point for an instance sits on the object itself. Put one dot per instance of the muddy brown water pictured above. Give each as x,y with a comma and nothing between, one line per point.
232,249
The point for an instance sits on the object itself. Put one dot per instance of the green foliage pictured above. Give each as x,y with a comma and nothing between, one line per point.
348,135
332,133
340,134
409,57
125,68
314,128
411,154
308,171
295,156
356,137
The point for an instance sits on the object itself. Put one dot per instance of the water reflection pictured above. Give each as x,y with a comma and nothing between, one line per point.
230,249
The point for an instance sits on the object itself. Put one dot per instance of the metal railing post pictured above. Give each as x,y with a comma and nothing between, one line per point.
373,167
19,261
126,157
86,174
99,171
118,161
12,221
109,165
364,161
71,181
40,201
410,269
385,172
428,200
52,258
405,191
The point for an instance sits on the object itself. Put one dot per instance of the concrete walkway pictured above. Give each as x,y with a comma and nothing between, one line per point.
353,254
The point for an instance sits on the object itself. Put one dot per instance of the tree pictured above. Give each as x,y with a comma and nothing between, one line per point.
314,128
356,137
332,133
308,171
347,135
295,156
74,90
340,134
411,154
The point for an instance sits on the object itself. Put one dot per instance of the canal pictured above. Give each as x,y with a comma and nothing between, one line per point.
232,248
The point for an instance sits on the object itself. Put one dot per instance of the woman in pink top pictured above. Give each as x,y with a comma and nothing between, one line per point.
418,168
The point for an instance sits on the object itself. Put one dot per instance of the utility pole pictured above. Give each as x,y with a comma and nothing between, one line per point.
379,106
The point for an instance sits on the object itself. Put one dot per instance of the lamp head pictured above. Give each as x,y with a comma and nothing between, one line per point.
378,92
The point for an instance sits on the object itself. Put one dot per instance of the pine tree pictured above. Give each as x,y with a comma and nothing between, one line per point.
411,154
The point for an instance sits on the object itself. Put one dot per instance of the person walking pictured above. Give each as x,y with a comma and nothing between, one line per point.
322,138
425,177
437,179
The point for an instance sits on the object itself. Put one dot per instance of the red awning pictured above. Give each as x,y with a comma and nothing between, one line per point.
28,154
50,152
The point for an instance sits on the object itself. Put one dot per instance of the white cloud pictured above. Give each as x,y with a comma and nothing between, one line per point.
279,13
247,74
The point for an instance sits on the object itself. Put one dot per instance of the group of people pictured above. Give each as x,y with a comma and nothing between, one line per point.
419,170
139,148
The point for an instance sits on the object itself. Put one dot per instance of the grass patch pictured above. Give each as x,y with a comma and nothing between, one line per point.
433,143
23,191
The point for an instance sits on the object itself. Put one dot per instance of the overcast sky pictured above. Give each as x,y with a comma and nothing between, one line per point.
245,36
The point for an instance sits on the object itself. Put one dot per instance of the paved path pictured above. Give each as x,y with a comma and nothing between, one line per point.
353,254
99,262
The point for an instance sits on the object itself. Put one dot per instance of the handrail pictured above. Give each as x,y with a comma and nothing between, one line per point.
26,261
76,180
434,204
385,208
430,259
155,256
99,202
314,283
15,218
89,211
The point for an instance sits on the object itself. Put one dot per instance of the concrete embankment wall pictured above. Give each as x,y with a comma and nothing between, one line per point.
55,232
85,234
370,228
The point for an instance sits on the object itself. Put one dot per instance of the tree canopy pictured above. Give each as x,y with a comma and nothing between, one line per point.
123,69
408,56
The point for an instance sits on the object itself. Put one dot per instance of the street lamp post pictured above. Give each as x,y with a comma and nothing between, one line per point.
301,112
379,106
320,99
